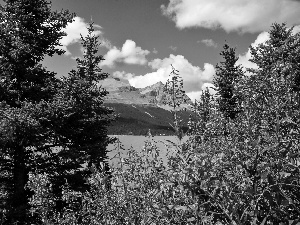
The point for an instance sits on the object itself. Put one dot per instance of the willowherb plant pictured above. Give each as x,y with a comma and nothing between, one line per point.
175,97
143,191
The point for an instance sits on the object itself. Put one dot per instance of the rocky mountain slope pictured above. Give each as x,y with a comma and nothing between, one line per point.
140,109
120,91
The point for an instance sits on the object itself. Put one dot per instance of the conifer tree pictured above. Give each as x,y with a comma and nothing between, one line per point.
75,123
200,117
227,75
85,128
29,30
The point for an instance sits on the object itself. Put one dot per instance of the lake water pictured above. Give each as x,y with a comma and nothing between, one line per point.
139,142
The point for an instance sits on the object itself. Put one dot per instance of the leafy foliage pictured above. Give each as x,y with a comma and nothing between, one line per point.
255,177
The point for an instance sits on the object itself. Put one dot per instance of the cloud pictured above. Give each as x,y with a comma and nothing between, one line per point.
296,29
73,31
105,43
244,58
129,54
232,15
261,38
173,48
208,43
123,75
195,95
154,51
193,76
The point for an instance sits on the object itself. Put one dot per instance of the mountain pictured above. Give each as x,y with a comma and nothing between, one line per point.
120,91
141,109
138,119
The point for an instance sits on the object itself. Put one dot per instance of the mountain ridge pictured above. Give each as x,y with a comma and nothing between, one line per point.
120,91
141,109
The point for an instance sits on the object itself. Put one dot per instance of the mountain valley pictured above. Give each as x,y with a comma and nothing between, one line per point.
141,109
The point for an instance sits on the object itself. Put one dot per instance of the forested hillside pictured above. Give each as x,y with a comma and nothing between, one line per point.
138,119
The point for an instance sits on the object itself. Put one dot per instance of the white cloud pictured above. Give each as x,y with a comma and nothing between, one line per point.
208,43
244,58
232,15
154,51
129,54
105,43
73,31
123,75
193,76
296,29
195,95
173,48
210,87
261,38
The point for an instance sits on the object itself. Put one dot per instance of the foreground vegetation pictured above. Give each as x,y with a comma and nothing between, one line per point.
240,165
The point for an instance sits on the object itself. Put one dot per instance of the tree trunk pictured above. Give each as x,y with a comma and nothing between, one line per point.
18,200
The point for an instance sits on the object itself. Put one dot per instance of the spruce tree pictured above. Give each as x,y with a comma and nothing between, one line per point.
201,116
47,125
75,124
83,128
227,75
29,30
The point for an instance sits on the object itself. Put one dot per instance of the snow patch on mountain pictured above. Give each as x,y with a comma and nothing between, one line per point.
149,114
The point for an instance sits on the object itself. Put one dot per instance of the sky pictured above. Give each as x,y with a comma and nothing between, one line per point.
140,39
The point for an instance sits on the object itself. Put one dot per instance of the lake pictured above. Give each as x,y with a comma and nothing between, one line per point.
138,143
